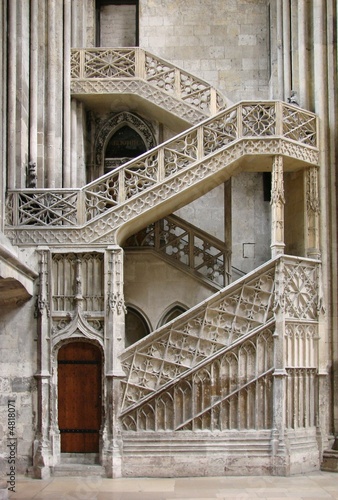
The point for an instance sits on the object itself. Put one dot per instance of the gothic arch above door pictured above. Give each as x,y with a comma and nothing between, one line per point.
127,135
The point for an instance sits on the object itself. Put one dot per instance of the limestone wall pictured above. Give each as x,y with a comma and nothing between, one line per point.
18,358
153,286
224,43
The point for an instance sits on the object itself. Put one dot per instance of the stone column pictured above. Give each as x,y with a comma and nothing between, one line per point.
42,445
327,335
277,207
303,64
286,49
66,95
3,117
33,93
51,96
312,246
114,345
280,78
279,447
11,96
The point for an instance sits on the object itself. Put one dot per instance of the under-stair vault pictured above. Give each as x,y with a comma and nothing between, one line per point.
241,369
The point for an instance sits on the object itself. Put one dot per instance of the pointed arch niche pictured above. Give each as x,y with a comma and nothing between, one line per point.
137,325
121,138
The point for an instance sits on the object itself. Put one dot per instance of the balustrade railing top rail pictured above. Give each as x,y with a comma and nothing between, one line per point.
132,63
253,121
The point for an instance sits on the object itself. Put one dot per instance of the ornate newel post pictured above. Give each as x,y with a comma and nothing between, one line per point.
312,213
42,444
277,207
279,448
114,344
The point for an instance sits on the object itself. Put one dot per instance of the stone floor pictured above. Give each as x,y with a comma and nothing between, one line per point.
313,486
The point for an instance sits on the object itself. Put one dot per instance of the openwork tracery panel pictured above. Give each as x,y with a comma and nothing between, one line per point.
181,345
213,369
186,245
233,391
106,63
131,63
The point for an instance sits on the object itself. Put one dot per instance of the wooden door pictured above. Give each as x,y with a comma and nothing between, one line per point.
79,397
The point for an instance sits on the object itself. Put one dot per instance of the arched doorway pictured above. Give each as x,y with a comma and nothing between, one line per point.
79,397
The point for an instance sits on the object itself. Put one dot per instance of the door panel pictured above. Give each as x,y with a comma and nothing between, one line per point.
79,397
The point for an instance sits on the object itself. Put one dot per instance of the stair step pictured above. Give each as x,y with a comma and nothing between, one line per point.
80,458
83,470
330,461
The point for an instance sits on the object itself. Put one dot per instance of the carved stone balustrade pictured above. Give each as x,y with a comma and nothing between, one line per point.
245,360
156,182
187,246
135,71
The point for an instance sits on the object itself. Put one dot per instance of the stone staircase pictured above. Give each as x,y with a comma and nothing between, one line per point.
217,368
120,71
175,173
238,319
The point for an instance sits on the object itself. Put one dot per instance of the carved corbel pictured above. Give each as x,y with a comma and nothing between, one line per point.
116,303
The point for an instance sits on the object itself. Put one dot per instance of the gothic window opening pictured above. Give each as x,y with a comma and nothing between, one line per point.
171,314
124,145
117,23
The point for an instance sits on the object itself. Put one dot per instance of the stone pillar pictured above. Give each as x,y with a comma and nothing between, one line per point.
327,334
66,95
280,77
277,207
51,96
114,345
286,49
33,82
11,96
303,64
42,445
312,246
3,117
279,448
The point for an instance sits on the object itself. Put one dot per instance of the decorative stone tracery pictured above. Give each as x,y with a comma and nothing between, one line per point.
114,123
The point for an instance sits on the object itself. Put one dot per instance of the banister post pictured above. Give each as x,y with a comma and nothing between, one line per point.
279,445
213,101
160,165
239,121
81,208
121,187
279,119
140,64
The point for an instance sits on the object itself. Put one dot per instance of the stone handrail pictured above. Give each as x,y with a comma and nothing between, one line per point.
186,245
251,121
188,371
103,64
